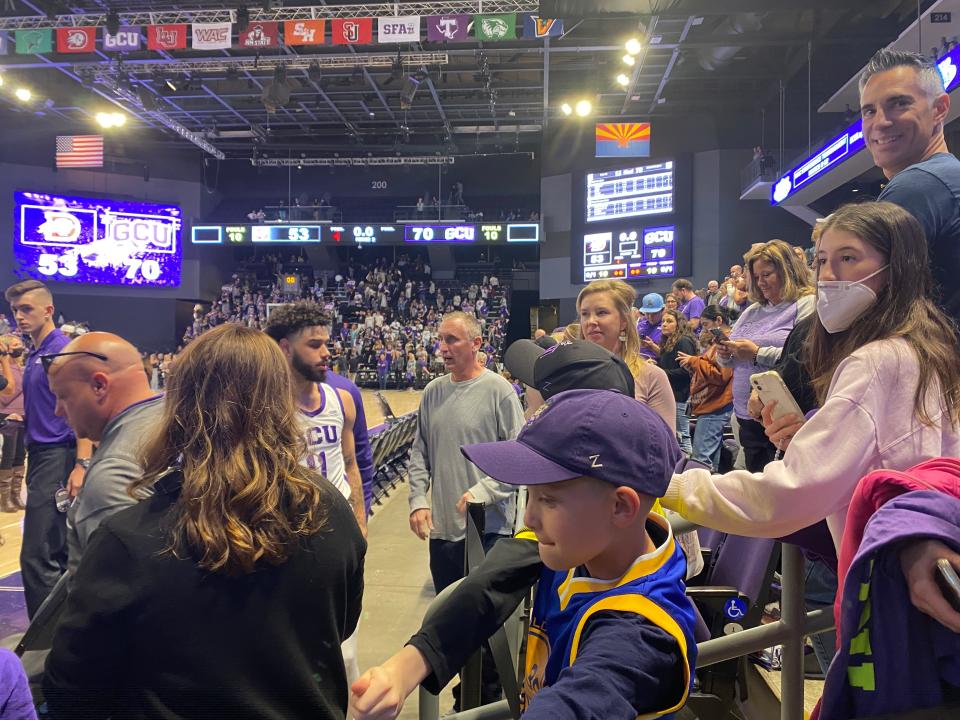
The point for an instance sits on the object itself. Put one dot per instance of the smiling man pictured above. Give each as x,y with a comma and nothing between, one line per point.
904,108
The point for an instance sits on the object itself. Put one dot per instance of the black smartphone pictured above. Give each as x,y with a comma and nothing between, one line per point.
949,583
718,335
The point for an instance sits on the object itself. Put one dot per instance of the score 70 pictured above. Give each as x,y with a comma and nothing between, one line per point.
66,265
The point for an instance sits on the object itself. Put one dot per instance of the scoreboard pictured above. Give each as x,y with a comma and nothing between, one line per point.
368,234
630,253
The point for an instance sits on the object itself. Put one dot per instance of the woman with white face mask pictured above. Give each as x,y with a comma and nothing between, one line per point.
883,362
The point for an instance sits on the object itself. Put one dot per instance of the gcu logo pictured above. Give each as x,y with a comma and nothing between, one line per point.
123,39
351,31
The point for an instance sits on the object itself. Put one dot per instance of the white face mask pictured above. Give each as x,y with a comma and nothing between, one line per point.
840,302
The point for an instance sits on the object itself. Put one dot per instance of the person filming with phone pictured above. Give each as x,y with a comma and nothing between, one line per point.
882,358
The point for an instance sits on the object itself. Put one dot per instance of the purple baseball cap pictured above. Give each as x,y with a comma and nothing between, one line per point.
599,433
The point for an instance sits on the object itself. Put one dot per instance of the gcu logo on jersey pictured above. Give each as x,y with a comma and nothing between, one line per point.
351,31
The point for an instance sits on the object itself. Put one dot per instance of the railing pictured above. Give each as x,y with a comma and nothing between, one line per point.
416,213
789,632
761,169
299,213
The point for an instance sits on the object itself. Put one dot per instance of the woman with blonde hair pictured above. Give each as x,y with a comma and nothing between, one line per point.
603,307
229,591
782,293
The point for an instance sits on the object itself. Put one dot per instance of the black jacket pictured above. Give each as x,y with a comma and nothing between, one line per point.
148,635
679,376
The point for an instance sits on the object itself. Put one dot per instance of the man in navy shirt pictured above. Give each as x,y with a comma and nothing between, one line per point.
904,107
57,459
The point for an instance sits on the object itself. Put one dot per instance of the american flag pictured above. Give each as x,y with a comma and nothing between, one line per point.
79,151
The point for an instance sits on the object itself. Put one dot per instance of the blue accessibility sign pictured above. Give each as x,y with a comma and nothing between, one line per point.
735,608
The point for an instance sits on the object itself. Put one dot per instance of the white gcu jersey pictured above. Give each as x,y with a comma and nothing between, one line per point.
323,429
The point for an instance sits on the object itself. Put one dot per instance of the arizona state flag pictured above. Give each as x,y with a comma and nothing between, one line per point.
623,139
538,27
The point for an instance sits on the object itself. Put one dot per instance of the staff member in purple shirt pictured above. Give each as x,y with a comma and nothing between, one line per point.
56,459
691,304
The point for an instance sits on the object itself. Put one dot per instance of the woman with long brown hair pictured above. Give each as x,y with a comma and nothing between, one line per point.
883,359
677,337
603,307
229,591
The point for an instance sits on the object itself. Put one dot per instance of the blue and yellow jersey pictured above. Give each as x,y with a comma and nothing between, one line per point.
564,603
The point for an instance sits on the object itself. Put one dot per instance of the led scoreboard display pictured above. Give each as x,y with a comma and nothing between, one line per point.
97,241
367,233
630,253
630,192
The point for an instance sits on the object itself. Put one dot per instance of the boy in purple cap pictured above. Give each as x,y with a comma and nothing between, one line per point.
611,632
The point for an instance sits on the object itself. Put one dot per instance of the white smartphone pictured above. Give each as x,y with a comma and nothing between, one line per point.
770,386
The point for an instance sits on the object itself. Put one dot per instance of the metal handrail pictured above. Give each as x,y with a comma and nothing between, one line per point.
794,625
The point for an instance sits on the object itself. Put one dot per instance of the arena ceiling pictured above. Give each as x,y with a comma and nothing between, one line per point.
697,56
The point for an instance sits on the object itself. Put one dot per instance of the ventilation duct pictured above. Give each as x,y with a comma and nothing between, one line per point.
713,58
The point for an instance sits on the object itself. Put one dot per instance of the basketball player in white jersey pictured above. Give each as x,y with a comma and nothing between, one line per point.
302,329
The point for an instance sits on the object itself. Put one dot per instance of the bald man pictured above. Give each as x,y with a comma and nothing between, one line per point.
104,394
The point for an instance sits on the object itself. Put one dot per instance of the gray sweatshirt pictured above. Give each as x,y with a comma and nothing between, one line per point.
484,409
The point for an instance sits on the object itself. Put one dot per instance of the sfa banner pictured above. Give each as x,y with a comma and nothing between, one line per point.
102,242
398,29
623,139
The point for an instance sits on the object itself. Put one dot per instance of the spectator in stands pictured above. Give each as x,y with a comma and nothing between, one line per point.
691,304
16,700
103,393
736,272
671,302
603,307
244,566
57,458
877,330
12,451
782,295
467,404
904,108
713,293
711,389
678,338
648,328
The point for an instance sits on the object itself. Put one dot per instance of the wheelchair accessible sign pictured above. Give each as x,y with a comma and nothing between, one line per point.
735,608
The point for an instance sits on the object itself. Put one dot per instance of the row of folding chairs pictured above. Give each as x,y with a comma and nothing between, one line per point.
391,451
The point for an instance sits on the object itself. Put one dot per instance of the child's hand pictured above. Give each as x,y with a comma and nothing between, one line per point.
380,692
375,695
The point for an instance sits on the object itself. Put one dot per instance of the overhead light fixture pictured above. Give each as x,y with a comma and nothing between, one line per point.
172,84
633,46
408,92
629,59
23,94
111,119
623,80
1,80
566,109
113,21
584,108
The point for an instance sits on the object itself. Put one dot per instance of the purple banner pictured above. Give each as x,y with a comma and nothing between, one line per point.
126,39
448,28
104,242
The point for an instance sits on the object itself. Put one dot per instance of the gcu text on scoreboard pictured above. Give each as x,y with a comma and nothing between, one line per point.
99,241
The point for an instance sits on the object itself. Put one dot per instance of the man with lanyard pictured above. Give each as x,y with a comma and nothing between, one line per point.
327,415
102,391
57,458
649,326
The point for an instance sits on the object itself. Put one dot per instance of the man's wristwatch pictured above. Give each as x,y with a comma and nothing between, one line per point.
84,463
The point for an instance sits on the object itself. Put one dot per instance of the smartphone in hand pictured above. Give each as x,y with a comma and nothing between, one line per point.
949,583
770,386
718,335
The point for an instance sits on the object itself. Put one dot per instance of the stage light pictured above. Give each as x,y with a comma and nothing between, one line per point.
629,59
566,109
119,119
1,80
23,94
171,83
633,46
584,108
111,119
623,80
113,22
